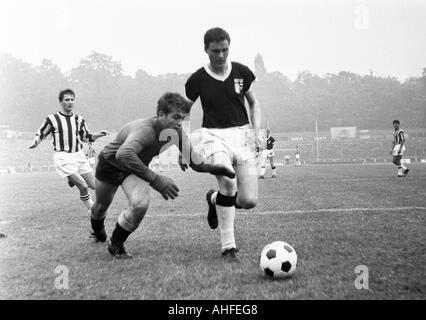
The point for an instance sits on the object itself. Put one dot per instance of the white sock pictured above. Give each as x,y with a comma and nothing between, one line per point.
87,201
274,171
226,216
263,170
399,171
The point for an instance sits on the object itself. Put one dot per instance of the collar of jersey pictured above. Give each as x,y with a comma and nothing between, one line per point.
66,115
216,76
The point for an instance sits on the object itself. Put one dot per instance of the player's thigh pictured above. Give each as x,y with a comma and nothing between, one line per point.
137,191
89,177
247,181
227,186
105,193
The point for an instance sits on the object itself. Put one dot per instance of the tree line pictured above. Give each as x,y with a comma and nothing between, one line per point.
108,98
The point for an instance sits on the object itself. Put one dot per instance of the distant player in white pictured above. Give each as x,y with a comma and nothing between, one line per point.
268,154
297,162
398,149
69,131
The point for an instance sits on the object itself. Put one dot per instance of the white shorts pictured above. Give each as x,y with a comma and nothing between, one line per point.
297,156
396,149
67,163
266,154
237,142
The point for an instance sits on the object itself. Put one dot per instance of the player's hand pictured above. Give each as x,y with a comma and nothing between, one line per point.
104,133
165,186
215,169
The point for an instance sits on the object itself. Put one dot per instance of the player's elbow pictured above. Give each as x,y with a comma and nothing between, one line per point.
123,155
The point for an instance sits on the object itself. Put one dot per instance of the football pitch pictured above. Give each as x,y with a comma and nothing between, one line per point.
337,217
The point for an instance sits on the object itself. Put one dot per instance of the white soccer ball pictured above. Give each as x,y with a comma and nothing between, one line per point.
278,259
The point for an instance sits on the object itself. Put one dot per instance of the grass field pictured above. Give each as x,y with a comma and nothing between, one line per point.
336,217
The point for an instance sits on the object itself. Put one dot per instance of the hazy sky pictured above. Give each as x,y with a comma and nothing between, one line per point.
161,36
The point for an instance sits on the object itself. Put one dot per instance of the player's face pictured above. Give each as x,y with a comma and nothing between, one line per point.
67,103
173,120
396,125
218,53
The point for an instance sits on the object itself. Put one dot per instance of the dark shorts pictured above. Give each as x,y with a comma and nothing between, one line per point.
107,173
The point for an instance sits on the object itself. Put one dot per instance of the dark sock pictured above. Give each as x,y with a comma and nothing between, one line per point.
119,235
97,225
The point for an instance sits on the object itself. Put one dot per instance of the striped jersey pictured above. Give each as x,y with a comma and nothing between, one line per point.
398,136
68,132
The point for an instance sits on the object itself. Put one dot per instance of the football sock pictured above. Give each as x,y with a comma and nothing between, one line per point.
130,220
274,171
403,167
97,225
119,235
226,215
263,170
87,201
399,171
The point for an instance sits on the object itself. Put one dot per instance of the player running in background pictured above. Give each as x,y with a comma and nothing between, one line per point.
69,131
125,162
268,154
398,149
227,135
297,162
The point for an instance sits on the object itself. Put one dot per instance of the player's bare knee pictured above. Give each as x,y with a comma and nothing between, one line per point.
139,205
83,187
247,202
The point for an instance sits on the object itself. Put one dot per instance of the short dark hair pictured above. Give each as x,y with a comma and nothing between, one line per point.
215,35
64,92
396,121
171,102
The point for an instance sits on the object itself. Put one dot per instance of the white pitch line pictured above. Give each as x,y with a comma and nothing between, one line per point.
261,213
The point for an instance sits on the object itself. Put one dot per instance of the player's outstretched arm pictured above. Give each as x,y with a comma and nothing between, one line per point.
101,134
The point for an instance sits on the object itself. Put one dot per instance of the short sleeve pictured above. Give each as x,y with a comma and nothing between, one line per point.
192,91
249,78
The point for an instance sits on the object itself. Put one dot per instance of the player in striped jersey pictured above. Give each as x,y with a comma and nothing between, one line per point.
398,149
69,131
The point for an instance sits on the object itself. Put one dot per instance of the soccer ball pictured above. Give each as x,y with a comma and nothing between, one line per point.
278,259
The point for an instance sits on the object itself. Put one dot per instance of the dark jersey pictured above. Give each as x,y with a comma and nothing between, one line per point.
270,142
136,144
222,99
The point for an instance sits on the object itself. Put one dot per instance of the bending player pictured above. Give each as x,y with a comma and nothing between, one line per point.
124,162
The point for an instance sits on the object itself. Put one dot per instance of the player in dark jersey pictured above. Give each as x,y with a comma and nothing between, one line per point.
69,131
125,162
228,134
268,154
398,149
